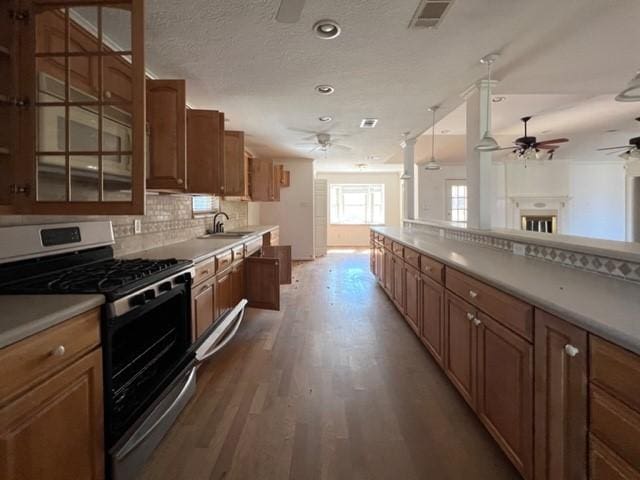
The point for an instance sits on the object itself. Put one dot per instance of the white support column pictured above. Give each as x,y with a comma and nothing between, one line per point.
479,175
409,200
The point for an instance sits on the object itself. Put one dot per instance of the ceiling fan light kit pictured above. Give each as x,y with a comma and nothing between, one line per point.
488,143
632,92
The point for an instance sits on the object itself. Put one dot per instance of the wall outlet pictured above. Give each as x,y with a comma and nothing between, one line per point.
441,233
137,226
519,249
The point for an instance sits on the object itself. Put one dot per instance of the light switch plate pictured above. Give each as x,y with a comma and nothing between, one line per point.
137,226
519,249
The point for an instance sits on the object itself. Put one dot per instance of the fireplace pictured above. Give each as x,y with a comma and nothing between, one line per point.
539,223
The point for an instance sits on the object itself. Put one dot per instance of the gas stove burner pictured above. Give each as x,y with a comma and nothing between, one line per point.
112,277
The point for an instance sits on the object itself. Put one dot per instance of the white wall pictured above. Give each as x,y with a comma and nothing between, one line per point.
358,235
294,211
431,190
598,200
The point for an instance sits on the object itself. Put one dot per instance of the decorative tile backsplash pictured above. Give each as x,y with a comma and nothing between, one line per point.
168,220
612,267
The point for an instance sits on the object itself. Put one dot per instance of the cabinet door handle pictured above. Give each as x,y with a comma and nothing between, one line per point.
59,351
571,350
477,322
470,316
180,181
427,269
473,294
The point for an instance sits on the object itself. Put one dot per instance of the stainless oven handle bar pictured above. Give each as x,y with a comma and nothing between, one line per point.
203,352
135,442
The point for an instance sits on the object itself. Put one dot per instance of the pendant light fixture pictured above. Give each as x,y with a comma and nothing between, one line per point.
433,165
488,143
632,92
406,175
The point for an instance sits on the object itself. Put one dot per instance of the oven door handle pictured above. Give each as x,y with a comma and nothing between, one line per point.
218,343
135,441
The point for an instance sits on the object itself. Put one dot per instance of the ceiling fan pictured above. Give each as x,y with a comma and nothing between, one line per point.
630,151
324,143
289,11
528,148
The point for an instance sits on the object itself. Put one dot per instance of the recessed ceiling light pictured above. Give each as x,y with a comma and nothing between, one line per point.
368,123
444,132
373,157
361,166
327,29
325,89
545,132
498,99
325,118
612,130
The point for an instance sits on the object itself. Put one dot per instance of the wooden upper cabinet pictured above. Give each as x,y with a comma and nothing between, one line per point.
235,166
78,113
167,122
262,183
560,399
277,169
205,151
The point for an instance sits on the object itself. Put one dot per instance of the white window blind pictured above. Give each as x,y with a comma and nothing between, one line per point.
357,204
203,204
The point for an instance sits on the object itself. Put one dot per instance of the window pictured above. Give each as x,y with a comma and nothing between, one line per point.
457,201
357,204
202,204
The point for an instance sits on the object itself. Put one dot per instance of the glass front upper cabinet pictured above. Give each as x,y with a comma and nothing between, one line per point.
82,74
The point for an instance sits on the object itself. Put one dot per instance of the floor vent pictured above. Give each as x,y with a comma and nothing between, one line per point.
429,13
368,123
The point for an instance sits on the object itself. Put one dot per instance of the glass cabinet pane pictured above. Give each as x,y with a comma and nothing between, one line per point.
117,178
85,175
117,77
52,178
83,29
84,78
50,24
116,28
84,133
51,129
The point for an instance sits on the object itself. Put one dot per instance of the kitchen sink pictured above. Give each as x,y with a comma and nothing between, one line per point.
238,234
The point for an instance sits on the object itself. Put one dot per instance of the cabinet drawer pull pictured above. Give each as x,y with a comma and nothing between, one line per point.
571,350
477,322
59,351
473,294
470,316
180,181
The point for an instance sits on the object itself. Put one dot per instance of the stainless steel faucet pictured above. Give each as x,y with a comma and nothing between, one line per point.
218,227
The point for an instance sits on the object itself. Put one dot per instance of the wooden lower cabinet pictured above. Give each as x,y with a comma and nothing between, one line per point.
55,430
262,282
432,317
203,307
460,346
412,297
561,386
504,392
237,282
387,280
224,293
605,464
397,291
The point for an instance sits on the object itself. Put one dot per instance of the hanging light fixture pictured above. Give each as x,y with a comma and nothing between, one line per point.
632,92
487,142
406,175
432,164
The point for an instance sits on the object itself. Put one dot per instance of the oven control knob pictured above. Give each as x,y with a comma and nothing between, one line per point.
149,295
164,286
184,278
137,300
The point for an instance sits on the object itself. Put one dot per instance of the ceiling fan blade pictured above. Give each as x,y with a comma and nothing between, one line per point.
614,148
306,144
555,140
341,147
289,11
548,147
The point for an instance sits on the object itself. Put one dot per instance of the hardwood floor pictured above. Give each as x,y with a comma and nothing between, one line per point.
334,386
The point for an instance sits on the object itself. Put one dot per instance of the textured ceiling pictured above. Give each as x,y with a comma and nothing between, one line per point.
262,74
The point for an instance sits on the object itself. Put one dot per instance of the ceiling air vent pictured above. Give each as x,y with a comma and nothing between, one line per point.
429,13
368,123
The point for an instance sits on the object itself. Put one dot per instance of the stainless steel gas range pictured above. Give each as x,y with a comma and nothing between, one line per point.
149,362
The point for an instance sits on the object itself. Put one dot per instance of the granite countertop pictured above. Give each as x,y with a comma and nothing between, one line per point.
198,249
604,306
25,315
